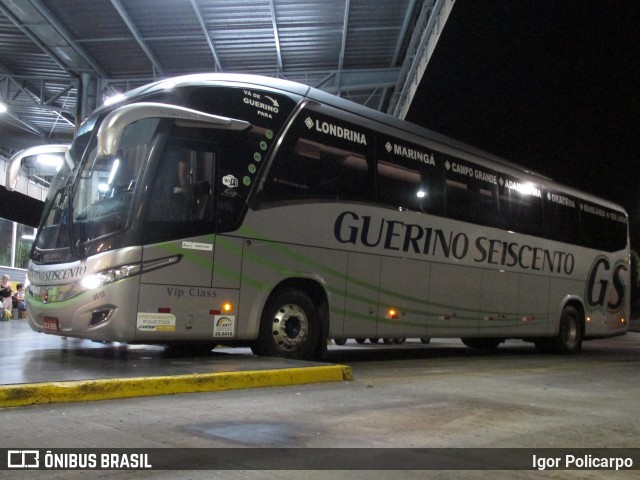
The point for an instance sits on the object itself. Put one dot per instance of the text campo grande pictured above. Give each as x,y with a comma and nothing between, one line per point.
394,235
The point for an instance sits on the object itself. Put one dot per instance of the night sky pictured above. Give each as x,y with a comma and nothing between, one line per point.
551,85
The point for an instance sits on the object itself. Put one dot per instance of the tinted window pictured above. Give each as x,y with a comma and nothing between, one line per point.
471,192
181,194
561,219
322,159
520,205
409,176
602,228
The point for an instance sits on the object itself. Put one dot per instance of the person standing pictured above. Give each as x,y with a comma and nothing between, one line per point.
6,293
18,300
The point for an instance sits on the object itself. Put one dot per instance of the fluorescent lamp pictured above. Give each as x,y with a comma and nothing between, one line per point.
50,160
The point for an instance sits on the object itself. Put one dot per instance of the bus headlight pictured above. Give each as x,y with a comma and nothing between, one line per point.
105,277
100,279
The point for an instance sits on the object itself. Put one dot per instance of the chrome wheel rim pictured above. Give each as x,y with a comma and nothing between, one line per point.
290,327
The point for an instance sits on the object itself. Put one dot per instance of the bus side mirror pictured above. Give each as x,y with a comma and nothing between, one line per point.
17,161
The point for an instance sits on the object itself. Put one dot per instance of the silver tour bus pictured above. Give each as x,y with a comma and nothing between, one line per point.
242,210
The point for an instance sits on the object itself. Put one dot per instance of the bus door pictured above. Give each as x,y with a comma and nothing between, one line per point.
178,234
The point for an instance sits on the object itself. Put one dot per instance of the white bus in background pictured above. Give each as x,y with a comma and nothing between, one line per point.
241,210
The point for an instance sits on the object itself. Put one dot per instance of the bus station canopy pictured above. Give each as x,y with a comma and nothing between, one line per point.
60,59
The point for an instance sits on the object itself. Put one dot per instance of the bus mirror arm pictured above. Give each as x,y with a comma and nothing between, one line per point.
111,129
16,161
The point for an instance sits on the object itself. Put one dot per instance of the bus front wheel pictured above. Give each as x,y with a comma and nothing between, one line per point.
289,326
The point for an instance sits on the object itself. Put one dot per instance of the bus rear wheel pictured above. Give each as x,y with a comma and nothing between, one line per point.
289,326
569,338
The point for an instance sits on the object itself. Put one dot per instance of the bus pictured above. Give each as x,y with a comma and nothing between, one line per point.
240,210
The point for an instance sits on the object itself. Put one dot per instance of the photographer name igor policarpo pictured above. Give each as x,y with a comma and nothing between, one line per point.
584,462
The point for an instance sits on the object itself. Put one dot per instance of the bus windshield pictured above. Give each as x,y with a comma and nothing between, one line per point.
100,201
54,233
187,170
103,196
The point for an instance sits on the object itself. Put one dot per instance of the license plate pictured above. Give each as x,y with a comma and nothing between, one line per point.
50,324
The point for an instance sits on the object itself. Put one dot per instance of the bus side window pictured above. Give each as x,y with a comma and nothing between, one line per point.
181,196
521,206
201,203
169,189
400,186
468,198
408,183
315,167
601,228
561,219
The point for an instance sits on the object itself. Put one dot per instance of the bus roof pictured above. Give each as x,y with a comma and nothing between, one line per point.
314,94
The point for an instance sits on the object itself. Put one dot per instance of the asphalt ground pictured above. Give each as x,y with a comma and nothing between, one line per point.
401,398
39,368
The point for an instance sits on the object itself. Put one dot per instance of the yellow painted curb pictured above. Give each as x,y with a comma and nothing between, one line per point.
104,389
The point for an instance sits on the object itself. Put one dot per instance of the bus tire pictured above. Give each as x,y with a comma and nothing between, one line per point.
425,340
374,340
569,339
482,343
361,340
289,326
339,341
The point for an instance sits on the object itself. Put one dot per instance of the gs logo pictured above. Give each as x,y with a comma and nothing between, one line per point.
604,279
